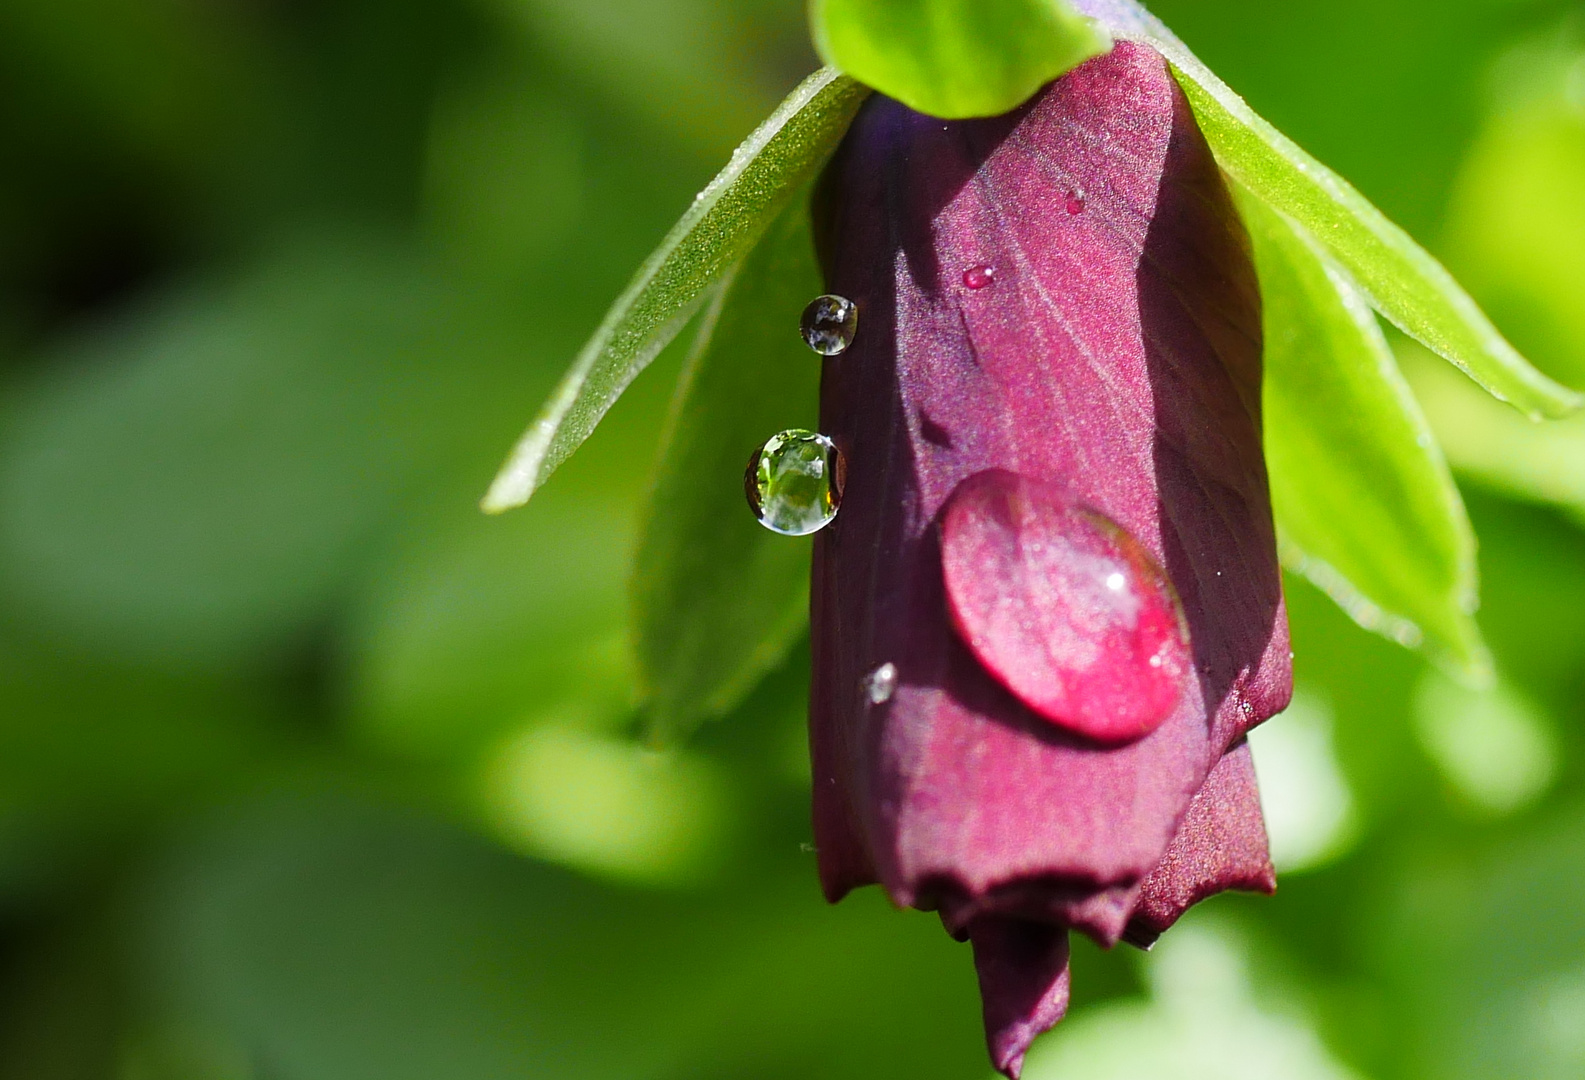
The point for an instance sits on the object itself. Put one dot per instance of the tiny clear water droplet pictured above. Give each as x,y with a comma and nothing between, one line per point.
794,482
829,323
881,684
1075,203
977,277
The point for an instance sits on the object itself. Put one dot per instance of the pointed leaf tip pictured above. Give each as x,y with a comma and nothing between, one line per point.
726,219
955,59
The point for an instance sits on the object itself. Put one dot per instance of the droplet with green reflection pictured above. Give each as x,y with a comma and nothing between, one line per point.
794,482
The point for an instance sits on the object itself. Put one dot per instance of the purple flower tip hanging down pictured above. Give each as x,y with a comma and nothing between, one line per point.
1050,608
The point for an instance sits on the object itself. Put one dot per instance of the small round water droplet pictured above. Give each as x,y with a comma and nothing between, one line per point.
977,277
794,482
1075,203
881,684
829,323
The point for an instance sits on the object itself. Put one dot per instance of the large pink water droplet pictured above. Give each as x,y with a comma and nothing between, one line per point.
1075,203
1063,607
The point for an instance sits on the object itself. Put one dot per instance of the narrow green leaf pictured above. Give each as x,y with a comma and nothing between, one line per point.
726,220
1400,279
717,599
954,58
1398,276
1365,504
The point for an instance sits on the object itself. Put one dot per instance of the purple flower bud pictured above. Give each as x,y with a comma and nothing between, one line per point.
1050,608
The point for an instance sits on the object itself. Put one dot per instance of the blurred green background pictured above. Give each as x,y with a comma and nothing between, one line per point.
308,771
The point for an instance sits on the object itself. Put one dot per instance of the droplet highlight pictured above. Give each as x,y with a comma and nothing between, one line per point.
978,277
881,684
829,324
794,482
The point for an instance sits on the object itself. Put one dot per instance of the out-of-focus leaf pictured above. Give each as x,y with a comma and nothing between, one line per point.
1516,226
92,752
726,220
1468,997
60,1005
471,628
1364,500
954,58
1205,1019
716,598
1543,463
197,480
335,938
1399,277
475,625
702,70
155,77
603,803
505,176
1495,747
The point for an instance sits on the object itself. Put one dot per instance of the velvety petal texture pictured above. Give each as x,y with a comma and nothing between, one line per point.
1220,845
1055,523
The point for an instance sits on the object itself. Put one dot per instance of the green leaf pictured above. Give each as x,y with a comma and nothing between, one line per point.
954,58
1400,279
1365,504
727,218
717,599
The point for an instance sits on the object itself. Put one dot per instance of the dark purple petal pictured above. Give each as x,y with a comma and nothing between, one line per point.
1063,294
1220,845
1023,971
1062,606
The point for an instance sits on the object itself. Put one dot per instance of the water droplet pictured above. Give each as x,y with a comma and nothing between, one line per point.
829,323
794,482
977,277
1063,606
881,684
1075,203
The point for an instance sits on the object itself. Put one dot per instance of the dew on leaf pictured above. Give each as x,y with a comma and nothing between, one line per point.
829,323
794,482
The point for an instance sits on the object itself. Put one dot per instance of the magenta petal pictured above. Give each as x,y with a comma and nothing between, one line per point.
1066,609
1023,971
1220,845
1115,356
1062,297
